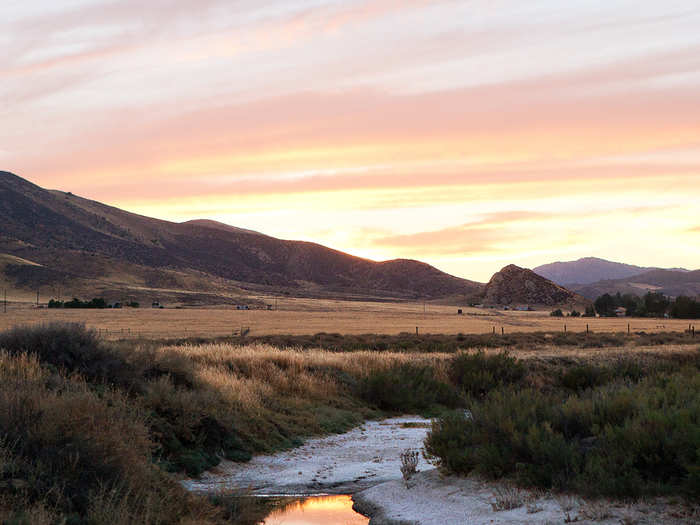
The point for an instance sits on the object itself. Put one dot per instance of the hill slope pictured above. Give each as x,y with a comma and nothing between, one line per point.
74,242
519,286
668,282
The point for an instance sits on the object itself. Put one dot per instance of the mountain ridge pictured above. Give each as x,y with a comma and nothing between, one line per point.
97,241
588,270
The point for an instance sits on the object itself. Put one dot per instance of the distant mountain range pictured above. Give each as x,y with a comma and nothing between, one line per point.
63,246
590,270
592,277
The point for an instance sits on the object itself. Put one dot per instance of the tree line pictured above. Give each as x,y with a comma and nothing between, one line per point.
97,303
653,304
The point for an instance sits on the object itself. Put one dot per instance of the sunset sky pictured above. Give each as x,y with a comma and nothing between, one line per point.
468,134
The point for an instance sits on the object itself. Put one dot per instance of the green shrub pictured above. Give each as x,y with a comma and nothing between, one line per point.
407,387
69,346
476,374
581,377
621,440
64,446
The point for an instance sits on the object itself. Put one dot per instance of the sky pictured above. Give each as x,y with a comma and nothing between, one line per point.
467,134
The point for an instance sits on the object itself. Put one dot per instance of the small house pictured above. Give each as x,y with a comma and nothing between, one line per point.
620,311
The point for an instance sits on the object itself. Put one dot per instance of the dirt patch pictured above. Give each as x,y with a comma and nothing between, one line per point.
433,499
337,464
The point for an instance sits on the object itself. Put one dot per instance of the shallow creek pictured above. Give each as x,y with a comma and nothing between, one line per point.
337,464
317,510
323,472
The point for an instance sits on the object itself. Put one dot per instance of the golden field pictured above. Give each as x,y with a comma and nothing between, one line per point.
311,316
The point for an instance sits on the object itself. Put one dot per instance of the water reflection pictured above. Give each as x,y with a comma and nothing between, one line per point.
317,510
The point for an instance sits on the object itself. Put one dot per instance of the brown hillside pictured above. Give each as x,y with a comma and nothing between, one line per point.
78,239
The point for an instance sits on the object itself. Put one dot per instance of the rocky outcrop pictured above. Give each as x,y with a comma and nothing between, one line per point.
515,286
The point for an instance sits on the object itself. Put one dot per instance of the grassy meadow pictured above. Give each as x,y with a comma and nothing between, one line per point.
312,316
98,431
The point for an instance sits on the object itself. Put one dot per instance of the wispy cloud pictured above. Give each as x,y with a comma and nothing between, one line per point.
376,118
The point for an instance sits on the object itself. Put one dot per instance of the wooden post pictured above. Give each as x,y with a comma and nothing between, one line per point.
5,300
628,328
564,327
502,331
494,330
37,297
586,327
416,330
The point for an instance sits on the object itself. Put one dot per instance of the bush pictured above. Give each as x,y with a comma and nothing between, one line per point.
557,313
476,374
75,453
618,440
69,346
581,377
407,387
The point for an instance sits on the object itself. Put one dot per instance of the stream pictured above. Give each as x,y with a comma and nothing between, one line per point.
317,510
323,473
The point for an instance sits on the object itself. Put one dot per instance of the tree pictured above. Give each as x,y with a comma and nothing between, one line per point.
575,313
656,304
605,305
557,313
685,308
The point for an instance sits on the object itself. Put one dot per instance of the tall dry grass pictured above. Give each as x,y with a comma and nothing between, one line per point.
70,452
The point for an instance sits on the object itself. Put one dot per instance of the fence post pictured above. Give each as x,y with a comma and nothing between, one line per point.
416,330
586,327
502,331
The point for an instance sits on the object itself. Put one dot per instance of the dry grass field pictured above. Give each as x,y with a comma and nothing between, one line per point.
311,316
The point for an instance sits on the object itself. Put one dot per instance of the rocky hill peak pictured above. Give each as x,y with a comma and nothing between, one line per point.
514,285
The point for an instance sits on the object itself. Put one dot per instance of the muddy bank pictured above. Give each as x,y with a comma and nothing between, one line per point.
434,499
339,464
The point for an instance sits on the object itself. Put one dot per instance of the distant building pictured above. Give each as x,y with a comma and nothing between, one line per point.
242,307
620,311
156,304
